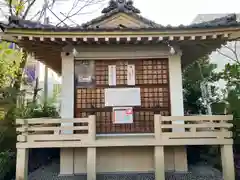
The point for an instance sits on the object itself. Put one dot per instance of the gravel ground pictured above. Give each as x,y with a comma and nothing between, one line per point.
50,172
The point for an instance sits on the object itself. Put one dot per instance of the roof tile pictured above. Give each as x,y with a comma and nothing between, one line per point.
116,6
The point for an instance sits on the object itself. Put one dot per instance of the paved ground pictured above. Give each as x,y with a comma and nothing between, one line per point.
50,172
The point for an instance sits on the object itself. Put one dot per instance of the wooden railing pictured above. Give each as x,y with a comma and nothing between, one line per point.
81,132
46,129
193,127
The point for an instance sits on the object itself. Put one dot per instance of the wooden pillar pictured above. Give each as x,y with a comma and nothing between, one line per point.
91,163
159,163
22,164
91,152
177,109
227,162
67,110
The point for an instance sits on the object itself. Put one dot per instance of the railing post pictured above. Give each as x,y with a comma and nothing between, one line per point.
91,163
92,127
91,151
25,126
159,163
227,161
22,164
24,130
157,126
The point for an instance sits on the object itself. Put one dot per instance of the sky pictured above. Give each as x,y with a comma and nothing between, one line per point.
164,12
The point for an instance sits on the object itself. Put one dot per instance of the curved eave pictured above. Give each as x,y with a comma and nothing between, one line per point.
74,31
47,45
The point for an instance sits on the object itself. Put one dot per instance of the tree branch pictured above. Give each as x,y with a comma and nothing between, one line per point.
234,51
225,55
28,8
76,2
10,7
56,16
69,19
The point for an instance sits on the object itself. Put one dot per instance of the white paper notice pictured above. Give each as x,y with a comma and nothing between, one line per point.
131,74
112,75
122,97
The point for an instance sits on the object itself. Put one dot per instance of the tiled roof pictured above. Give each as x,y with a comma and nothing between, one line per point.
114,7
14,22
209,17
150,23
229,20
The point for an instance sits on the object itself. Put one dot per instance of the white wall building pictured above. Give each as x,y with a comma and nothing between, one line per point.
221,56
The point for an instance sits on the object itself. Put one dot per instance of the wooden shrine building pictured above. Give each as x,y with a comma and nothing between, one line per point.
122,96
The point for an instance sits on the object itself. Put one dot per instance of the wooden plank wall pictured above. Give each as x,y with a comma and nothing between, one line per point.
151,77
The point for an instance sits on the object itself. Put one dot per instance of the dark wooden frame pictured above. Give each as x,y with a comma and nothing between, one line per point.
155,110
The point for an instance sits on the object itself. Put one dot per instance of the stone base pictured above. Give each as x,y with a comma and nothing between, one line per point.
52,172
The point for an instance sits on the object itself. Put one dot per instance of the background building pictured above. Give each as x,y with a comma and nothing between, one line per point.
36,70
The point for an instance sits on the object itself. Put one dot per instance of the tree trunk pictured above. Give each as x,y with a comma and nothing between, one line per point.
35,91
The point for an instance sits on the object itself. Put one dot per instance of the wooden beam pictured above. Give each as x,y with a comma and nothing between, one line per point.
126,141
203,37
171,38
117,40
181,38
106,39
96,40
128,39
74,39
160,38
192,38
214,36
150,38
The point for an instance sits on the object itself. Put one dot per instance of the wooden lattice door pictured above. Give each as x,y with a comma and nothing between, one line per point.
151,77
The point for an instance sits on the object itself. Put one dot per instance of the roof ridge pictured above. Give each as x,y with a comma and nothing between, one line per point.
229,19
121,5
115,11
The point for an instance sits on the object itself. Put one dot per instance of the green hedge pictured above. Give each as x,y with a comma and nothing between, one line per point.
7,165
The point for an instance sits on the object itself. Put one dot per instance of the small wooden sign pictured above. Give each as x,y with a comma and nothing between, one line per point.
84,74
112,75
131,74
